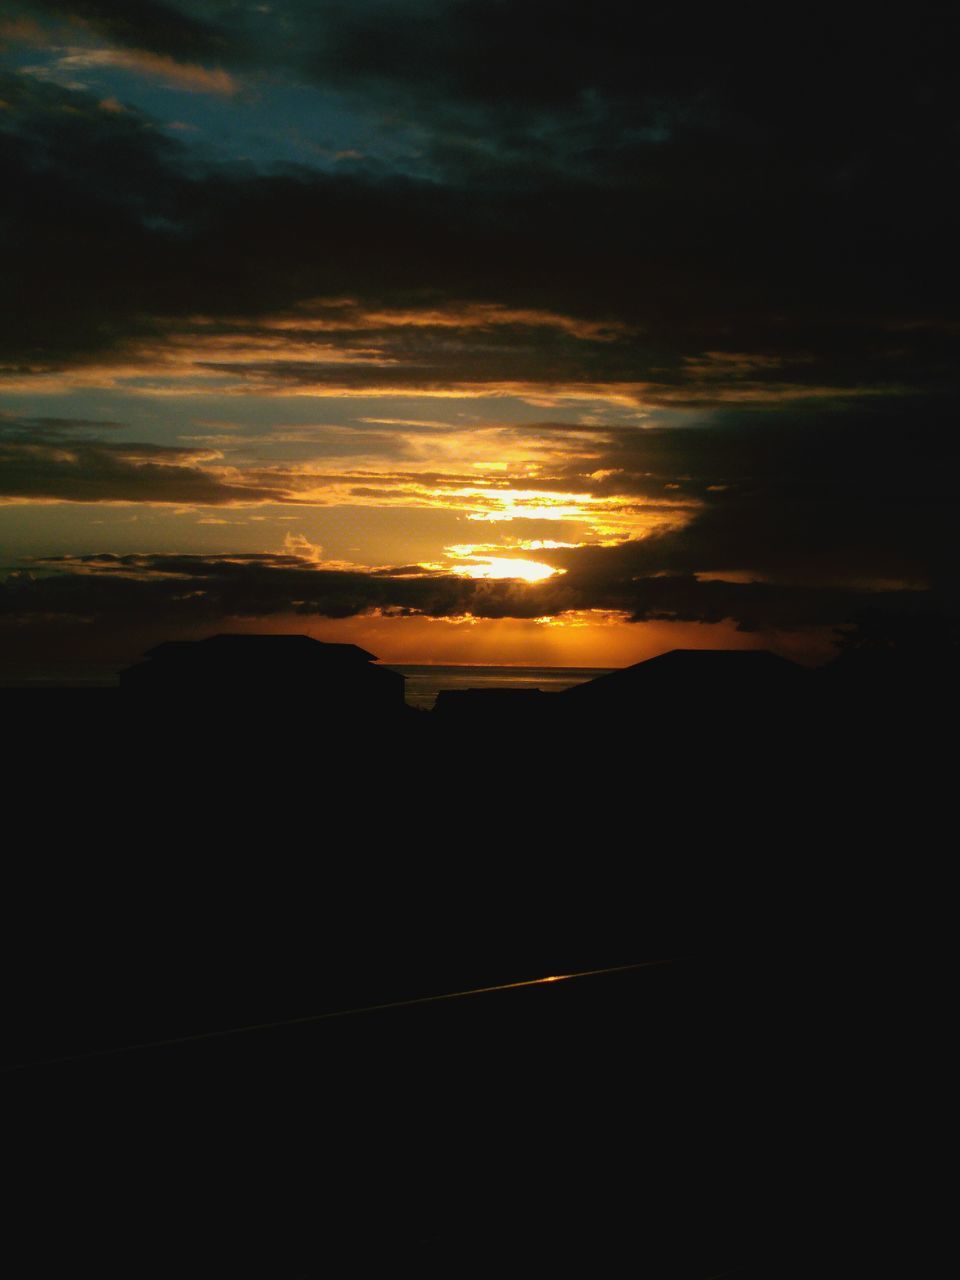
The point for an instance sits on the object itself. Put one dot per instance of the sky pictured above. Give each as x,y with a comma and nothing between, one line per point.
475,330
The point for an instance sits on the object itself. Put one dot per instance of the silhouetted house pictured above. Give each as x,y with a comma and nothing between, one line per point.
737,684
296,671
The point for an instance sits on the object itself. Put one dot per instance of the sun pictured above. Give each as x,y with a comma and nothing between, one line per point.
495,567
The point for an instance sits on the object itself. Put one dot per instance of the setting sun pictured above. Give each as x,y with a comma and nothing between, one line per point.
494,567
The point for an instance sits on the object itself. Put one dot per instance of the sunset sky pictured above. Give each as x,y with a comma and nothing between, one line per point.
474,330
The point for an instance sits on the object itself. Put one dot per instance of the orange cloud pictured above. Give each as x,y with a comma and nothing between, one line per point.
189,76
339,313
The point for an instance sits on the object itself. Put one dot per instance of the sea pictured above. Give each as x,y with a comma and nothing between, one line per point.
423,683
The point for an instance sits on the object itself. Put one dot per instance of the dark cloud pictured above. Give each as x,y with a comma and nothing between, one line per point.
757,206
17,427
81,246
631,94
819,494
177,594
53,470
146,24
772,211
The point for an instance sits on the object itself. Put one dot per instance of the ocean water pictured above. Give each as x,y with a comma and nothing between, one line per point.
424,682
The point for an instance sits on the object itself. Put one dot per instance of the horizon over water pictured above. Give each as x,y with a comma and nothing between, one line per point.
424,680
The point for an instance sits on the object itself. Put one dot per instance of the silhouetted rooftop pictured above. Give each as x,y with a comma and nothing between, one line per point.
235,646
348,678
695,668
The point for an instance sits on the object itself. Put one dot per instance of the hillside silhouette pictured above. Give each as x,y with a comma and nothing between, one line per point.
897,665
245,844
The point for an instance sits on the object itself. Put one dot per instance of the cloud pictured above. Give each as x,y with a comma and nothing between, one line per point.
188,76
20,427
804,495
54,470
743,243
147,24
812,275
187,590
847,497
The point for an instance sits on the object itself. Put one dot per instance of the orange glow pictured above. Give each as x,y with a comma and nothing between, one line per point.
588,638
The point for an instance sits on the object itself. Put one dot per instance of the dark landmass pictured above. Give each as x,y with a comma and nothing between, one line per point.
184,865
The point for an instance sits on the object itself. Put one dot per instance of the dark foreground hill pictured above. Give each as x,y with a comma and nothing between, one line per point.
180,868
